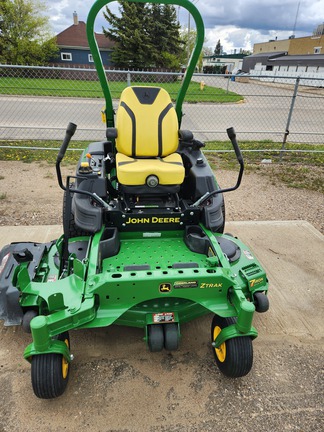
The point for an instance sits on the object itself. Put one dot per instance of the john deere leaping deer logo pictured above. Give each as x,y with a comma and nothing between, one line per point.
165,287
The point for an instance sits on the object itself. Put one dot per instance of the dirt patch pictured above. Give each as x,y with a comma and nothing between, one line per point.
117,385
30,195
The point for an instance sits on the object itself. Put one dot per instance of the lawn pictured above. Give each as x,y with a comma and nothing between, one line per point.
92,89
301,166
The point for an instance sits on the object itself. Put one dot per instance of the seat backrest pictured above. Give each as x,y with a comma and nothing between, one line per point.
146,122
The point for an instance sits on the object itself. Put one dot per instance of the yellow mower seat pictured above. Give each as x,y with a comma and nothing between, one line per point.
147,138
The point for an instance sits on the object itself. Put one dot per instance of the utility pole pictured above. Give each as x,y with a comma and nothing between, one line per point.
295,24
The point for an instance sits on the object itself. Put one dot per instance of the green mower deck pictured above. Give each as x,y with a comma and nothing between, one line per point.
149,281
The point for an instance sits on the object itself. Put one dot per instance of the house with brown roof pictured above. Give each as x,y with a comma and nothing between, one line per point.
74,48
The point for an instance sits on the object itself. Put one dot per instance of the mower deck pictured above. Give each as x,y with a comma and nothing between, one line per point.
150,280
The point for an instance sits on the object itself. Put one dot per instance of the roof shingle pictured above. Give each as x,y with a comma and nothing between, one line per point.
76,36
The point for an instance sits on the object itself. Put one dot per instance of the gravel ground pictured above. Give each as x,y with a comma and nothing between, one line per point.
30,196
116,385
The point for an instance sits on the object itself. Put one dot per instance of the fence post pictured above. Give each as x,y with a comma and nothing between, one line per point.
128,79
289,118
228,80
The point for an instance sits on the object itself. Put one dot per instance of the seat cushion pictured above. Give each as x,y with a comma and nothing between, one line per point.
132,172
146,122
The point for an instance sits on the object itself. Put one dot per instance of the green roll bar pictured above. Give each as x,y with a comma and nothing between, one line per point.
191,8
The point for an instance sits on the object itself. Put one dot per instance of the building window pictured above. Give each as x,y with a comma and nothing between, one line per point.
66,56
317,50
90,58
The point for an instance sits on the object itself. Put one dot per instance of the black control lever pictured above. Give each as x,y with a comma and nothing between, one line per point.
70,130
232,136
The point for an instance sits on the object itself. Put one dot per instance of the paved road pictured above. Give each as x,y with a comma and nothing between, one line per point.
117,385
263,115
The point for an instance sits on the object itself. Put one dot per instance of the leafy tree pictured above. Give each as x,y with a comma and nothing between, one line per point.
145,35
245,52
218,48
24,33
207,51
128,30
189,40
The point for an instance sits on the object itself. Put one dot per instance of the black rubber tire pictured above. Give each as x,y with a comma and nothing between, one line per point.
171,336
28,316
234,357
155,337
47,373
261,302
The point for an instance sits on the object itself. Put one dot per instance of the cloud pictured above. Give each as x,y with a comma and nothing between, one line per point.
237,23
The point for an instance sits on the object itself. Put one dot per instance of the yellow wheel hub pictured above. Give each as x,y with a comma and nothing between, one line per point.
221,350
65,363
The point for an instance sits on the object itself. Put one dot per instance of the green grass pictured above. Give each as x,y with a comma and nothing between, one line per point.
92,89
270,150
14,153
299,170
302,170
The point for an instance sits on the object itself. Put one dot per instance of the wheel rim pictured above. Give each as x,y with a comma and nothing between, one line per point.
65,363
221,350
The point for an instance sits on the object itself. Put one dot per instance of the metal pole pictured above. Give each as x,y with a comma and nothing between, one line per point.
289,118
188,36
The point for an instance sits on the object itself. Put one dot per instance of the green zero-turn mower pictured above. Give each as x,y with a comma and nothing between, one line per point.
143,241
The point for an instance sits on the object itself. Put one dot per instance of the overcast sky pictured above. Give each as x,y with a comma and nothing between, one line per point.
237,23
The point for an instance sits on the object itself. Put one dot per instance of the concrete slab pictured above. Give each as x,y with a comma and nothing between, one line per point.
116,384
36,233
291,252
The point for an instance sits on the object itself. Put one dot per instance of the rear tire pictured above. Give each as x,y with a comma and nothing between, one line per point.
50,372
234,357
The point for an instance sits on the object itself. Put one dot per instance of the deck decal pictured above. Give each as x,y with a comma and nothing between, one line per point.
185,284
165,287
163,317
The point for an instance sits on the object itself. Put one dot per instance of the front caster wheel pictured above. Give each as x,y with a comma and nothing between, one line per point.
155,337
28,316
261,302
171,336
50,372
234,357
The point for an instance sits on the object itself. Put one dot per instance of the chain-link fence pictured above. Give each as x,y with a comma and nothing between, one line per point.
38,102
